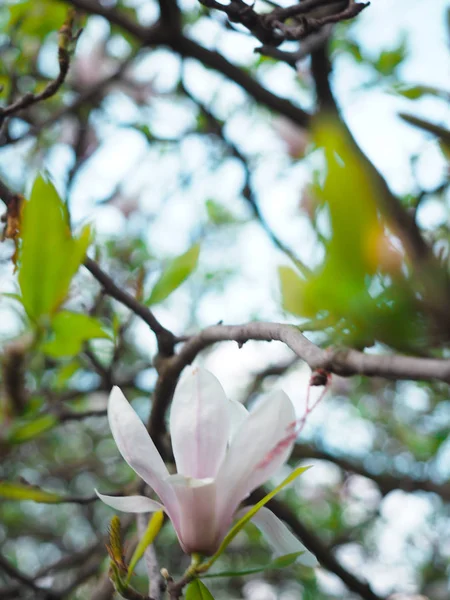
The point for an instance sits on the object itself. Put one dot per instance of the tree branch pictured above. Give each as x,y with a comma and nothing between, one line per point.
14,573
186,47
387,482
435,282
165,338
66,39
344,362
217,129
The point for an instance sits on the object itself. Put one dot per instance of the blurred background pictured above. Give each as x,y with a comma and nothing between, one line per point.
163,155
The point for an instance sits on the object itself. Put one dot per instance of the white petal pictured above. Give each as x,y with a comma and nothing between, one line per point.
135,444
132,504
198,528
238,414
199,424
278,535
261,445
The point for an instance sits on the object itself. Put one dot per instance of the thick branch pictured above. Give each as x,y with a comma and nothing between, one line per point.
343,362
189,48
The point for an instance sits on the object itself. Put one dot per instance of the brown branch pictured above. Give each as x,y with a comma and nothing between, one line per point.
189,48
14,573
6,194
271,371
307,47
67,38
387,482
64,416
306,6
165,338
344,362
158,35
270,28
170,14
92,97
437,130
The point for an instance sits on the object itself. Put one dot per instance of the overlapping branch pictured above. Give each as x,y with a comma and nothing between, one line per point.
293,23
344,362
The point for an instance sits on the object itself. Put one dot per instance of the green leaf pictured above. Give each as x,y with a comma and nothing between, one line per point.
24,432
247,517
279,563
70,331
218,214
292,286
65,372
415,92
50,255
197,590
154,527
388,60
286,560
173,276
38,17
22,491
359,289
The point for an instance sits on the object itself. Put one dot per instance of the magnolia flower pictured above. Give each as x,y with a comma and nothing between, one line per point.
222,453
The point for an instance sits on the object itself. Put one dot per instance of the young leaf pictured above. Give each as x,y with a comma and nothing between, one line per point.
37,17
50,255
246,518
388,60
291,290
197,590
218,214
23,432
279,563
22,491
154,527
71,330
173,276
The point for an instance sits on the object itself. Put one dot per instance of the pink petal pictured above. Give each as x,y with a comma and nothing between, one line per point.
199,424
198,529
261,445
136,446
278,535
132,504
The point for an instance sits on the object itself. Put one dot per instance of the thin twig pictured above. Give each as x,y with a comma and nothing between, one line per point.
67,38
386,481
14,573
165,338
